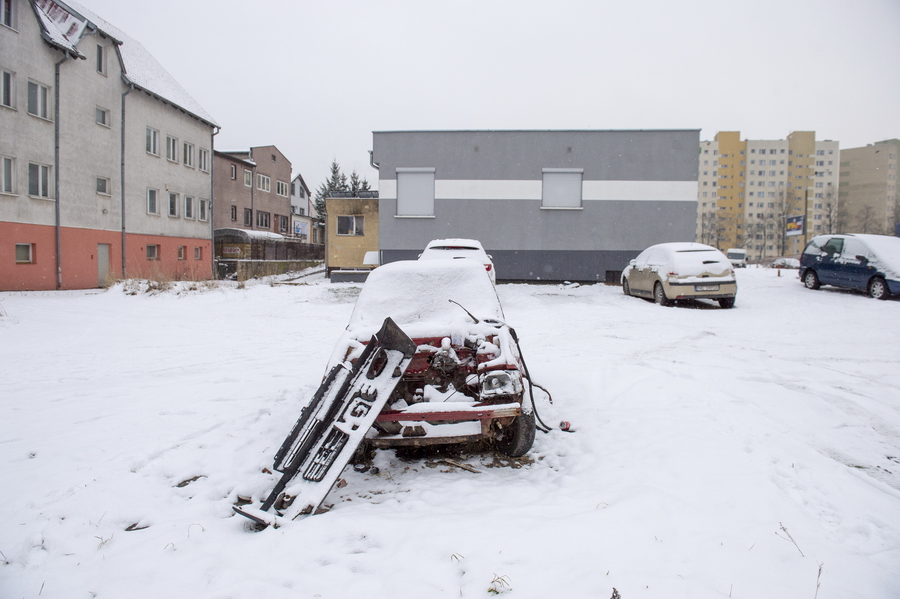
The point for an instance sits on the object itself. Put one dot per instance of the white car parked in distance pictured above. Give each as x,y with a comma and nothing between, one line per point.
444,249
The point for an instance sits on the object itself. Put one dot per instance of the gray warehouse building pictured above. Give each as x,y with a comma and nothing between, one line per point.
547,205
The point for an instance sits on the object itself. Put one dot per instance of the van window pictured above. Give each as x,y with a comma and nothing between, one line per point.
834,246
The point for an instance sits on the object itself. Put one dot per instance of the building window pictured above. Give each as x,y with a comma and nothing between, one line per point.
6,13
415,191
173,204
152,201
152,252
350,225
187,154
7,175
198,253
7,87
203,160
24,253
248,178
171,149
203,209
103,187
152,141
262,219
248,217
233,172
234,213
263,183
181,251
283,224
281,188
39,180
561,188
188,207
38,100
101,59
101,115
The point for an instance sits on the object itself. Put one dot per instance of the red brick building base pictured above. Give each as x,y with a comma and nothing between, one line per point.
93,258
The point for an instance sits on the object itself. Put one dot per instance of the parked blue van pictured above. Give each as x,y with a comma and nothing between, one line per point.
870,263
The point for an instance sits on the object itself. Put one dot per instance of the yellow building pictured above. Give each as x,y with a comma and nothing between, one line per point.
351,230
766,196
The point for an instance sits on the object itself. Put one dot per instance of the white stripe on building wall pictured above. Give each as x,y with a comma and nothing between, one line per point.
474,189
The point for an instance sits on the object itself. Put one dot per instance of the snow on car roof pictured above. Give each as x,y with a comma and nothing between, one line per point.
454,243
886,253
416,295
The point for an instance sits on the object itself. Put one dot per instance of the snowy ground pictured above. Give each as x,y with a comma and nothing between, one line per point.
744,453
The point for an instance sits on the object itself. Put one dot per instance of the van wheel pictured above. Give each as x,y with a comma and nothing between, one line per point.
811,280
659,295
879,289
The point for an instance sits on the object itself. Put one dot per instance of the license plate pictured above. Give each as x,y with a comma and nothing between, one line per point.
706,287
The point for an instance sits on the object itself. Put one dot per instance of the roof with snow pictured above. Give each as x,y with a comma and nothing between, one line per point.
63,25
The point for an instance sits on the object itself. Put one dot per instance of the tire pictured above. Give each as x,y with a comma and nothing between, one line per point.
626,288
726,302
878,289
659,295
811,279
518,437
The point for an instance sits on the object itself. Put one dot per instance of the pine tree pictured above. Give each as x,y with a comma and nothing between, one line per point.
338,182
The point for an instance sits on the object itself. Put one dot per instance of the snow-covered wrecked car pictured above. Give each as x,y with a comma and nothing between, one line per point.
426,359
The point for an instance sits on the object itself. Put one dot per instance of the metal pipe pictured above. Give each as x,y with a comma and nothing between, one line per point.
122,178
212,200
58,217
372,160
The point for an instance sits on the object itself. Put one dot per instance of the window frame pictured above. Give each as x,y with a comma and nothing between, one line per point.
202,210
171,148
248,217
45,172
203,159
30,247
100,63
248,178
198,252
263,183
152,141
233,172
106,116
562,181
42,99
172,205
353,229
263,220
8,175
233,213
189,207
415,192
182,251
8,88
8,14
187,154
152,204
107,185
281,188
153,251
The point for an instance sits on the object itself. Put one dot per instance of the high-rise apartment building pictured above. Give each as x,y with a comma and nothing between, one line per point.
766,196
870,201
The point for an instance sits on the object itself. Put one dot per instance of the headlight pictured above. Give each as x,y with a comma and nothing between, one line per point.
501,382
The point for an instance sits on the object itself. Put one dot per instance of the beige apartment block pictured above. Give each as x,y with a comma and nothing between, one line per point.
766,196
868,188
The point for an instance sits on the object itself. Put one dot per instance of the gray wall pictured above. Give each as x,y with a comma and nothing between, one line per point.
525,241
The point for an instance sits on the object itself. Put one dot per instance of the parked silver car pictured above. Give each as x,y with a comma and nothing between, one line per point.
672,271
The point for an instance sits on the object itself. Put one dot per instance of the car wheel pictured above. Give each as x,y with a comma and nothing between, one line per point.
659,295
726,302
626,288
879,289
516,439
811,279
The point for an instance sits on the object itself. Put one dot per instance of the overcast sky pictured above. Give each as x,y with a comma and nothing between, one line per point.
315,78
